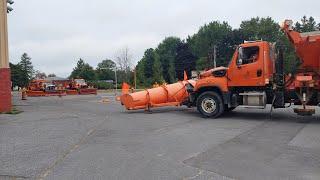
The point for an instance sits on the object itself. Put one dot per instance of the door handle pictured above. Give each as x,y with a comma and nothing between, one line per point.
259,73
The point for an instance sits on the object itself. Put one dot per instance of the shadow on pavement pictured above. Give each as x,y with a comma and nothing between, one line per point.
280,115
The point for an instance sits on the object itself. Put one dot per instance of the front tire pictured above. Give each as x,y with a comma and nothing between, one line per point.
210,104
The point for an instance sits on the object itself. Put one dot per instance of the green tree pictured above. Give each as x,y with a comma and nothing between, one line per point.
77,70
291,61
107,64
306,25
265,29
26,69
149,60
52,75
201,64
83,70
184,61
140,71
17,76
157,70
105,70
149,69
166,51
210,35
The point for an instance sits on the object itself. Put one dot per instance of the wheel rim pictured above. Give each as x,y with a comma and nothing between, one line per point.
209,105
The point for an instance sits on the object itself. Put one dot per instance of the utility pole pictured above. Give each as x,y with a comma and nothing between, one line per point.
135,78
5,75
214,56
116,80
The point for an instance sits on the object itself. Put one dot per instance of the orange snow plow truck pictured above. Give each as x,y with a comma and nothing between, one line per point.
255,77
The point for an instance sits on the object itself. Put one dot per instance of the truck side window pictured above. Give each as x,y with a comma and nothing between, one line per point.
248,55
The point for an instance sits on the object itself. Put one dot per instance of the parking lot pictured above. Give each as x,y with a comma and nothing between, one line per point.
93,137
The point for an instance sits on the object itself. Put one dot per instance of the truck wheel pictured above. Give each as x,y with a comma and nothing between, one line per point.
210,104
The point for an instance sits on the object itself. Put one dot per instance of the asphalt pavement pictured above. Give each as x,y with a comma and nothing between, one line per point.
93,137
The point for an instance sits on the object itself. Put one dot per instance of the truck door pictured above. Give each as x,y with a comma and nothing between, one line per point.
246,69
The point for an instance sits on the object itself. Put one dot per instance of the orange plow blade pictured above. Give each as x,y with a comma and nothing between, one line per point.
72,92
31,93
165,95
88,91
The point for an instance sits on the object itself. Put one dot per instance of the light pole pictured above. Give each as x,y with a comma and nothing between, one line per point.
116,79
5,75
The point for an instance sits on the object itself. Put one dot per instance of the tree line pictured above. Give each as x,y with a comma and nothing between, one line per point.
167,62
23,72
107,69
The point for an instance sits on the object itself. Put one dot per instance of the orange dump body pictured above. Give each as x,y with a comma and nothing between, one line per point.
165,95
307,46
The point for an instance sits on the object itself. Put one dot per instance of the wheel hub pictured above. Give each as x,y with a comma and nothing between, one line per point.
209,105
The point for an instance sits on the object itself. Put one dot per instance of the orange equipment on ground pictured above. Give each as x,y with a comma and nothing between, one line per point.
41,87
306,82
36,88
79,86
165,95
59,87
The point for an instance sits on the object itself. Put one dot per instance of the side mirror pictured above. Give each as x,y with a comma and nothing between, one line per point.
239,62
240,57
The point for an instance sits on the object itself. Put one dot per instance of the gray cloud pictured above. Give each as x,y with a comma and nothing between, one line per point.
57,33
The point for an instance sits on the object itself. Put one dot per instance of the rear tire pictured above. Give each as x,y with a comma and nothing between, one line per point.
210,104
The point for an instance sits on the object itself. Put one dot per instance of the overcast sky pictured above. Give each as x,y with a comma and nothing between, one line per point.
56,33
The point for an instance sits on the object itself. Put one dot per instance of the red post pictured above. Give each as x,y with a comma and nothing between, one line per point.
5,90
